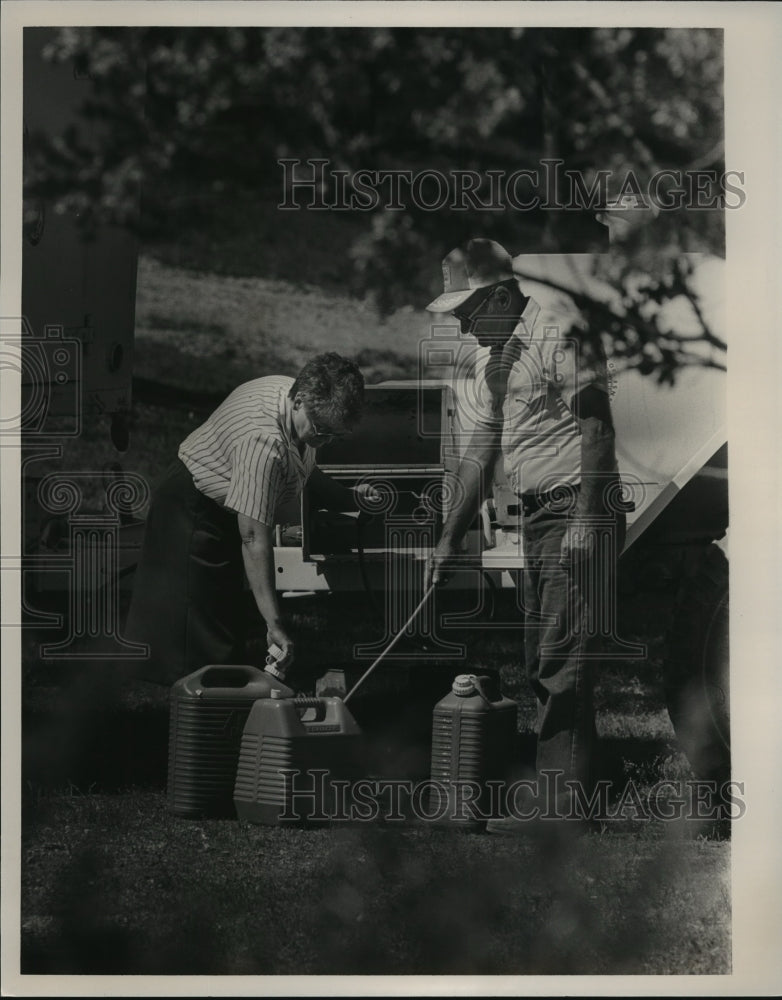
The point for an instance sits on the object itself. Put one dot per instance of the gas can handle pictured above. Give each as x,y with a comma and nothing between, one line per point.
225,676
303,704
480,688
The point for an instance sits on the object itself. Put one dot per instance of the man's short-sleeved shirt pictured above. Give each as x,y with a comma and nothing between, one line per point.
532,383
245,456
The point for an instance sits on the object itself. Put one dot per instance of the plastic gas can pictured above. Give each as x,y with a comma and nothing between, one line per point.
293,750
473,741
207,713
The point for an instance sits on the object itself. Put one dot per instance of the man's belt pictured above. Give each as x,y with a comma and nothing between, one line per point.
561,499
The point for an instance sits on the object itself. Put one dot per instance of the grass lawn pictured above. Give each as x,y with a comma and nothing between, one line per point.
113,883
212,331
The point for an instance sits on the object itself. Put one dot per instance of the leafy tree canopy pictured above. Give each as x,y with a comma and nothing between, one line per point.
192,116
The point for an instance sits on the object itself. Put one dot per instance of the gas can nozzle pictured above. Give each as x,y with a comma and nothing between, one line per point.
273,657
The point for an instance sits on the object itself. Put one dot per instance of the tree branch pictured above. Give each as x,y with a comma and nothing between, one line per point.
634,321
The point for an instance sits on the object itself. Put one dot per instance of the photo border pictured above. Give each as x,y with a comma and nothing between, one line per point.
753,38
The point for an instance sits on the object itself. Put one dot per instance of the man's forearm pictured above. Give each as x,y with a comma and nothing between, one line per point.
258,555
598,463
474,471
592,410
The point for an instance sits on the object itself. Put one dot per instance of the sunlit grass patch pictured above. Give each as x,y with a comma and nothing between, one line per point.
186,320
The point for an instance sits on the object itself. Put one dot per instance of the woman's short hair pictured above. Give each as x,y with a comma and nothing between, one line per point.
333,389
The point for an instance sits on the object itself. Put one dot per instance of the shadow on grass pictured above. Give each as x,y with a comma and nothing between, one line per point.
165,376
95,750
154,895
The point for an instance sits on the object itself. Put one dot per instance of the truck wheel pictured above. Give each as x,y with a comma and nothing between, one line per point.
696,670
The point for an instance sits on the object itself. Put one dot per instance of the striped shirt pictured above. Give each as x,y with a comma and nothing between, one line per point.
245,456
528,391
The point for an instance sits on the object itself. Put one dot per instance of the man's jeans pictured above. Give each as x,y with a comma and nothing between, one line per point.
563,628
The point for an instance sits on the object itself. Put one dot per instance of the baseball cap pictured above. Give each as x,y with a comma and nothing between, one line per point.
478,264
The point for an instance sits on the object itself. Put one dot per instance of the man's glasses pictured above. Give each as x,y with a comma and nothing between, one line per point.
470,319
323,432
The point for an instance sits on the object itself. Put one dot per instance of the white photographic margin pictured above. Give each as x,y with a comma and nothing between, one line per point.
753,96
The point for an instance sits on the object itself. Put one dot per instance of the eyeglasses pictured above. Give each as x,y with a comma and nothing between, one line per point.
470,320
322,432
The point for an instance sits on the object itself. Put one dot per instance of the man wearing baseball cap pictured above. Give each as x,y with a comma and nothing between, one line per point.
543,405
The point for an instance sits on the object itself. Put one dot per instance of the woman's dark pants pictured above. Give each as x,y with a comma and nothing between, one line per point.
188,600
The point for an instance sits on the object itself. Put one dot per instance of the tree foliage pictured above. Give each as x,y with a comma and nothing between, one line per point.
192,115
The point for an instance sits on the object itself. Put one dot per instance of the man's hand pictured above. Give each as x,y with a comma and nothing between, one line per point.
578,542
327,492
276,634
366,491
438,562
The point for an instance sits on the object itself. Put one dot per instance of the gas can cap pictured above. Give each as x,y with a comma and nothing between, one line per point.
275,693
274,671
463,685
